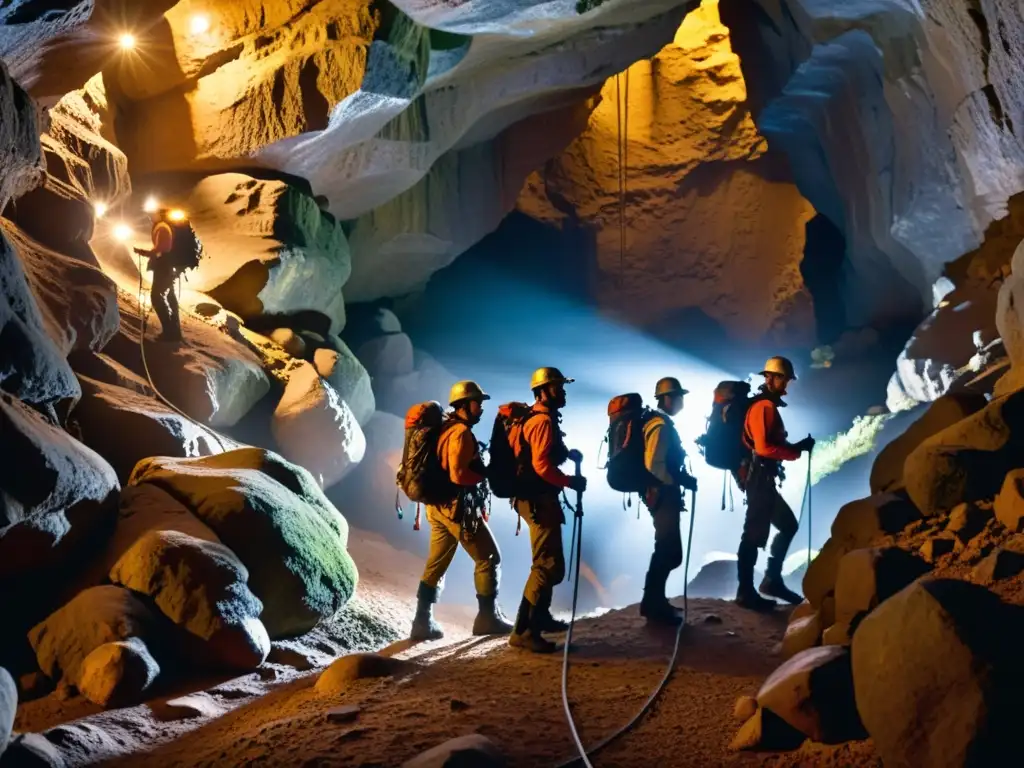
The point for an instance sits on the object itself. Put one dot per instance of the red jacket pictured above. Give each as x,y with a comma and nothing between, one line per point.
765,434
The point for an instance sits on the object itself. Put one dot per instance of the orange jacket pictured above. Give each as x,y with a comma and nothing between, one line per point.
458,450
163,237
539,434
765,434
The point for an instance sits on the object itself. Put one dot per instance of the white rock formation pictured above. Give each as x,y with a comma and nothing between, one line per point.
316,429
712,220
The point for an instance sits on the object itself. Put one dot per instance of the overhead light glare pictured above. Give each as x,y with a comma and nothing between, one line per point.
126,41
199,24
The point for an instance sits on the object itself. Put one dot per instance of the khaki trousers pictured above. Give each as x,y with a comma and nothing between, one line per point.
446,533
544,518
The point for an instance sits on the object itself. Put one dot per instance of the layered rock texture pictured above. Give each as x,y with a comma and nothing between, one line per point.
704,216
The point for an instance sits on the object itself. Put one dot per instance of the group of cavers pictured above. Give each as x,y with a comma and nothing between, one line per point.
443,468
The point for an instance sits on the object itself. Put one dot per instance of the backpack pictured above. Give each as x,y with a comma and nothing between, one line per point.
504,469
420,476
627,471
722,444
186,250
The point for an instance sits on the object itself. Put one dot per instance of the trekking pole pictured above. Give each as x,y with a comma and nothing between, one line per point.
686,565
810,453
577,529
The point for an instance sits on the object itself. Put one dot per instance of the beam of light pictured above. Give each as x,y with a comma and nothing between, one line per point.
833,452
122,233
176,215
127,41
150,205
99,209
199,24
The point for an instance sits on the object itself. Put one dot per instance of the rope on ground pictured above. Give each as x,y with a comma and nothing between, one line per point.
144,314
584,754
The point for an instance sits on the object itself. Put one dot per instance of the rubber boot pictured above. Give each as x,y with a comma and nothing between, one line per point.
423,625
527,631
773,585
746,595
489,618
655,607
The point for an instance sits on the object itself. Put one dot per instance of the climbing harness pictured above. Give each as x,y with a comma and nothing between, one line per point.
144,313
622,125
575,552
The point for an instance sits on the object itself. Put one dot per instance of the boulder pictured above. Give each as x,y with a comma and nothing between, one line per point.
716,580
78,301
1009,504
967,521
867,577
8,707
820,580
475,750
343,371
126,426
269,249
22,167
859,522
937,674
744,708
334,680
936,548
96,616
315,428
33,369
57,498
887,470
387,356
201,587
813,692
801,634
766,731
289,341
999,564
274,517
117,674
969,460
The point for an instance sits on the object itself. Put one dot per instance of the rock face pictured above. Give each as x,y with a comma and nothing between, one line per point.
275,518
19,139
885,136
712,220
118,673
269,249
937,676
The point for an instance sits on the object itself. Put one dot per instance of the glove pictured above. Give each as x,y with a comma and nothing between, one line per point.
689,482
577,483
805,445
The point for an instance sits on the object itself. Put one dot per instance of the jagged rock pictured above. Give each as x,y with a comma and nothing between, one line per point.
937,675
801,634
766,731
359,666
967,461
34,369
813,692
22,167
1009,504
887,471
315,428
8,707
473,749
118,673
999,564
706,198
346,374
967,521
937,547
213,377
126,427
94,617
868,577
387,356
269,249
273,515
201,587
56,498
937,358
859,522
745,708
53,49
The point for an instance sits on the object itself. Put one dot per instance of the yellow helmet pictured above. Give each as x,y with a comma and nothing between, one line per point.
544,376
466,390
780,366
669,386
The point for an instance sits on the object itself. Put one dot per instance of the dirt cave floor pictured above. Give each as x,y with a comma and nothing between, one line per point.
467,685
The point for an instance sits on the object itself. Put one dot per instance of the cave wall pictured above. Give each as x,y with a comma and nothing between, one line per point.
713,220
